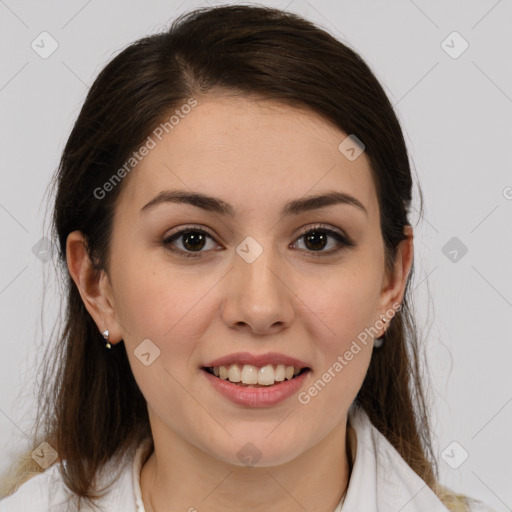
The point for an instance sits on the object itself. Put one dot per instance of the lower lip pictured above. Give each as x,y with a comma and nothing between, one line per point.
257,397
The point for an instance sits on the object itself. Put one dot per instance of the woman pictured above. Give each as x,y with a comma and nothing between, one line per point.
231,210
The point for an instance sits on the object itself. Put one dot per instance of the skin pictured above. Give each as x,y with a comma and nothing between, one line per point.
255,155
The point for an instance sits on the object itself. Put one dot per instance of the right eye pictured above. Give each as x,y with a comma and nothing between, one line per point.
192,241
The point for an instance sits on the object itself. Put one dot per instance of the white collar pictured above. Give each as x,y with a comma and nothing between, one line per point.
381,480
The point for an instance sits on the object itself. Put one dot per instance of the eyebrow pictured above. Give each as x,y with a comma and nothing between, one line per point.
216,205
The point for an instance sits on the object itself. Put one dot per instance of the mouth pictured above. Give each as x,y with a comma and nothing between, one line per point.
248,375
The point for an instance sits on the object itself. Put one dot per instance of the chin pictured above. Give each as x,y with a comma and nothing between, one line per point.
258,450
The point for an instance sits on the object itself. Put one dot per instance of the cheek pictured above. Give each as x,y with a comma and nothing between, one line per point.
341,308
171,307
152,299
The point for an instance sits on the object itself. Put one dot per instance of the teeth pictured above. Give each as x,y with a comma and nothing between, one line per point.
249,374
266,375
234,373
252,375
280,373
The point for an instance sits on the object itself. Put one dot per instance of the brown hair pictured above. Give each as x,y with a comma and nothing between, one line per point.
90,407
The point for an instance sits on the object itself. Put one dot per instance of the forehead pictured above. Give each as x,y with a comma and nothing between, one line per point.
250,153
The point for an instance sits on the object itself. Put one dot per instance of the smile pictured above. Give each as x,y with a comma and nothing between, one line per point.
253,376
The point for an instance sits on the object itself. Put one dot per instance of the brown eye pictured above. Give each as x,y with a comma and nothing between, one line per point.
316,239
191,240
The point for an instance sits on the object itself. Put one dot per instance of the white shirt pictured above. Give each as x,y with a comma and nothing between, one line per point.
381,481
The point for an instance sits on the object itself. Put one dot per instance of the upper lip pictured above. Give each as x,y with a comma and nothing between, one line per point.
259,360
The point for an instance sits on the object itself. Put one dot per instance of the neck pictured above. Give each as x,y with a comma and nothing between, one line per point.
179,476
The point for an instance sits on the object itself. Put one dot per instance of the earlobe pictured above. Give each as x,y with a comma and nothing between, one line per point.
93,286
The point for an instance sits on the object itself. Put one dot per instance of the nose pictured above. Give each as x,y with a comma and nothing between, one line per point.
258,296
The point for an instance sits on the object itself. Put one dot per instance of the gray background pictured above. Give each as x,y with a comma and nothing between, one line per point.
455,113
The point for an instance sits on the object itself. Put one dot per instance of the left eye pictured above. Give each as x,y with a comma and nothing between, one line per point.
315,240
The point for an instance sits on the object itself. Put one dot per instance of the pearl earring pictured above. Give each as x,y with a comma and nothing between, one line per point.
105,335
379,341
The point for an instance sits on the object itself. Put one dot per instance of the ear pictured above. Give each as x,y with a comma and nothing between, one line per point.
394,282
93,285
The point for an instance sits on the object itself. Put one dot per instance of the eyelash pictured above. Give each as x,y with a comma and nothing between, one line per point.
341,239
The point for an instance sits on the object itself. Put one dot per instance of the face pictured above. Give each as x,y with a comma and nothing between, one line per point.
254,278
